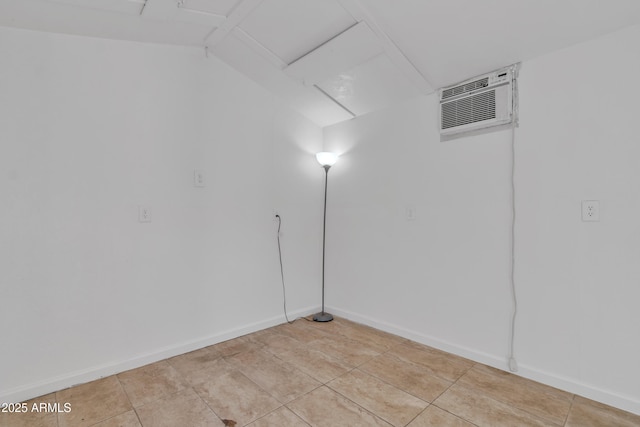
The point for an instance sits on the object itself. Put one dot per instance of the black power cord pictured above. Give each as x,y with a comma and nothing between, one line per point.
284,291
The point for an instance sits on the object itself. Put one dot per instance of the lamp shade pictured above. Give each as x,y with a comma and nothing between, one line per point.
326,158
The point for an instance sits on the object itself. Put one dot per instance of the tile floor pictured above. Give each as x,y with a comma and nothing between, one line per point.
318,374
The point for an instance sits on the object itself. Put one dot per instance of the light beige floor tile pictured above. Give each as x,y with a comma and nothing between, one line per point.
544,401
93,402
385,337
389,403
235,346
281,379
213,369
439,363
484,411
436,417
184,408
277,343
587,413
249,358
128,419
619,412
250,377
151,382
28,417
326,408
256,334
316,364
281,417
235,397
302,331
376,340
407,376
197,360
354,353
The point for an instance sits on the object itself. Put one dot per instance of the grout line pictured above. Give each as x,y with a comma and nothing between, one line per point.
271,412
475,392
358,405
450,413
117,415
457,416
444,391
395,386
55,396
385,382
502,400
207,404
569,411
124,390
294,412
447,389
137,416
320,384
133,408
414,418
433,372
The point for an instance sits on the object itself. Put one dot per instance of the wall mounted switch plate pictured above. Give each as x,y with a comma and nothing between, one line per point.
198,178
144,214
411,213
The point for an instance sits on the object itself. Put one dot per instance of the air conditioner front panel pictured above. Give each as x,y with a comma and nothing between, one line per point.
480,109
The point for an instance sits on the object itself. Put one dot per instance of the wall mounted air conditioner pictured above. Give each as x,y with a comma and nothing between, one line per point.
477,104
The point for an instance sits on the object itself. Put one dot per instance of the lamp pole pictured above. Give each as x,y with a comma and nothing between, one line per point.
325,160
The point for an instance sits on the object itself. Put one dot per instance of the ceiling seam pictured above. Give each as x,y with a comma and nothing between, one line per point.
235,17
325,42
258,47
359,12
353,115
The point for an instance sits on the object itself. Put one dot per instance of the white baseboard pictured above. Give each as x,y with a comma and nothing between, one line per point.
608,397
29,391
571,385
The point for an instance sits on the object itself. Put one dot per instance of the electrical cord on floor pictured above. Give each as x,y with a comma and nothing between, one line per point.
284,290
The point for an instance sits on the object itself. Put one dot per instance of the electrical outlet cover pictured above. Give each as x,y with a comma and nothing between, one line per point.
591,210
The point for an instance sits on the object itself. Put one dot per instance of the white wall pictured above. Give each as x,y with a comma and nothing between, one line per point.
443,278
91,129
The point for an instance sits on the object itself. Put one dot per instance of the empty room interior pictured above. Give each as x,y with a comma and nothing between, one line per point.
465,251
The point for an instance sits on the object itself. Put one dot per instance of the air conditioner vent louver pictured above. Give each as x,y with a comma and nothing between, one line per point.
467,110
465,88
477,104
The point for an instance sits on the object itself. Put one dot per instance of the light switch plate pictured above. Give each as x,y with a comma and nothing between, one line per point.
198,178
411,213
144,214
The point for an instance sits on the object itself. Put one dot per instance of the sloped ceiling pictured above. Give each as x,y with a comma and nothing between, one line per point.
337,59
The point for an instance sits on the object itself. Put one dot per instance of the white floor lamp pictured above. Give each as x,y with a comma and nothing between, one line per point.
326,160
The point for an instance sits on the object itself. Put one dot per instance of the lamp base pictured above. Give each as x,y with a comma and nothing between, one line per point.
322,317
